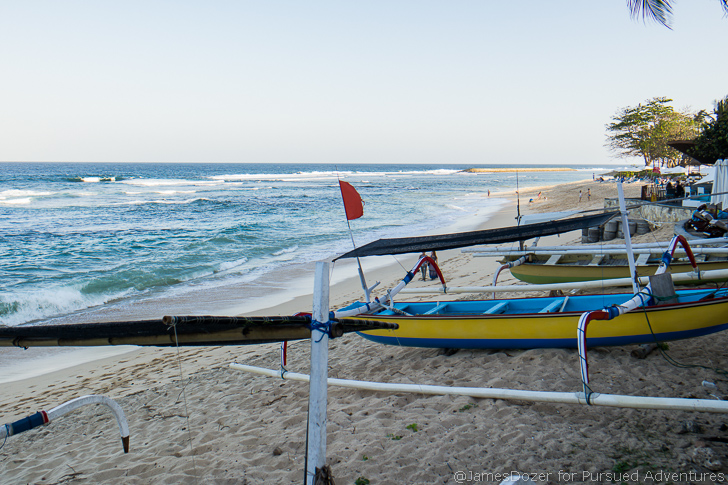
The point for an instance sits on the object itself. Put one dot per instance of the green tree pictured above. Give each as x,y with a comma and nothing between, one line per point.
713,139
658,10
644,130
672,127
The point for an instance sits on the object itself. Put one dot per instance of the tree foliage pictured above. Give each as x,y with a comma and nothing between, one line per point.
713,139
658,10
644,131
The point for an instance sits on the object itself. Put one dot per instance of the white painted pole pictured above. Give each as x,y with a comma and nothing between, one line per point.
660,245
574,285
597,399
318,390
627,239
594,250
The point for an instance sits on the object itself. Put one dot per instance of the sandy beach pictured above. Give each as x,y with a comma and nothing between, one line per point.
195,420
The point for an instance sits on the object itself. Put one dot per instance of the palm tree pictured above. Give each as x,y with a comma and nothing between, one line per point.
659,10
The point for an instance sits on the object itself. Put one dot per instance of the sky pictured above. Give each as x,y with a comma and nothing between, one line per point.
396,81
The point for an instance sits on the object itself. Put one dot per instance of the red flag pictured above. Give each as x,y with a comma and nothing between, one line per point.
352,201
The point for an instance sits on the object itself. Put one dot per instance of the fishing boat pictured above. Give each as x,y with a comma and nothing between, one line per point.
589,263
548,322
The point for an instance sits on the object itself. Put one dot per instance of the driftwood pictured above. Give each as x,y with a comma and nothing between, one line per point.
643,351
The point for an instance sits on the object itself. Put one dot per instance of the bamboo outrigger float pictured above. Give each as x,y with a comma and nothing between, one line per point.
175,331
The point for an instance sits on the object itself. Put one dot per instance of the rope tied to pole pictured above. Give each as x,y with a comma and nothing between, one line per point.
171,323
328,328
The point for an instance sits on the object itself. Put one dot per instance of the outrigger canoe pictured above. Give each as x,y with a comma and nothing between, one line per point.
548,322
556,268
562,264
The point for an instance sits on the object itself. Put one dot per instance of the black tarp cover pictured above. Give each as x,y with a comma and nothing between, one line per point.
501,235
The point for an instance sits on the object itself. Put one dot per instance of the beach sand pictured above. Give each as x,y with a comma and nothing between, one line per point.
195,420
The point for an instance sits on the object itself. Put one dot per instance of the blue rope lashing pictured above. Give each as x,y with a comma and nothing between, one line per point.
408,277
667,258
29,422
650,299
613,311
324,327
588,394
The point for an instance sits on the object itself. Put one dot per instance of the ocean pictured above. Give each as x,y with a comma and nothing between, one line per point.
86,241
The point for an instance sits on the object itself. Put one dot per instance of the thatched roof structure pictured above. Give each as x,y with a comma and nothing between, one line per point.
685,146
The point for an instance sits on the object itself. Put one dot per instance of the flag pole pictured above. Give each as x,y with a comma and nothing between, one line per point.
518,208
367,290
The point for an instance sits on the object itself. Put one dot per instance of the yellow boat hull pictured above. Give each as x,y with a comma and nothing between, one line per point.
553,330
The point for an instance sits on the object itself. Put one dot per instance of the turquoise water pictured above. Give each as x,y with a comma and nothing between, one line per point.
75,236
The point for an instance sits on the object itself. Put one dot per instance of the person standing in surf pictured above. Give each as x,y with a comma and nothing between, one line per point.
433,272
424,269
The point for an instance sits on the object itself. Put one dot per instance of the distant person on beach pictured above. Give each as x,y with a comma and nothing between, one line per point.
588,194
579,195
680,190
488,192
424,266
433,272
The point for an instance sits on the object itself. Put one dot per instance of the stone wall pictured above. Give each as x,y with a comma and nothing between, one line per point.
652,212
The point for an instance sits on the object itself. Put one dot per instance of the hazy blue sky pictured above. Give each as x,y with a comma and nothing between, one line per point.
342,81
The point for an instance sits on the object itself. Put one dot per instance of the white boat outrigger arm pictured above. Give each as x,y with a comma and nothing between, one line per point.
44,417
508,265
642,298
388,299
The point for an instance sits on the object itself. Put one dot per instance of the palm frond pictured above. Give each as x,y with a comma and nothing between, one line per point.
658,10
